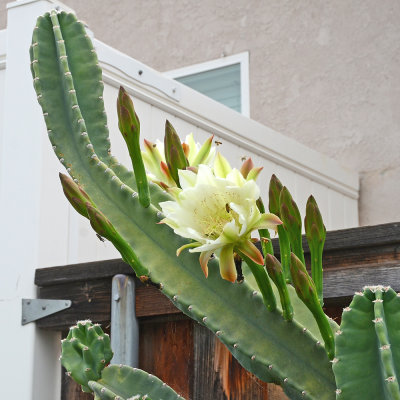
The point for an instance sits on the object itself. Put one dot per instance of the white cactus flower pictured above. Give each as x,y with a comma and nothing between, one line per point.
219,214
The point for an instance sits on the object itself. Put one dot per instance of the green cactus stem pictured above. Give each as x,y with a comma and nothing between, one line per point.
129,125
265,237
126,383
85,353
275,272
290,215
274,192
315,233
305,289
69,89
263,282
367,363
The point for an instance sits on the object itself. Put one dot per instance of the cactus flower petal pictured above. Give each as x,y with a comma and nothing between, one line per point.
221,166
227,264
246,167
219,214
251,251
204,257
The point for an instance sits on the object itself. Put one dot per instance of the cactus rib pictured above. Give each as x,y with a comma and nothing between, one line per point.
270,342
369,336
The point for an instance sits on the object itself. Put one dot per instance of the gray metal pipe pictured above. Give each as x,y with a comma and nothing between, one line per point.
124,324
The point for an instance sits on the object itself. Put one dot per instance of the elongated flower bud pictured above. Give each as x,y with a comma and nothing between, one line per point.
307,293
313,223
129,125
174,153
276,273
291,218
75,195
302,282
275,188
315,233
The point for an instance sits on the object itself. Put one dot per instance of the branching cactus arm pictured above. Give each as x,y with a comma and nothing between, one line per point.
275,350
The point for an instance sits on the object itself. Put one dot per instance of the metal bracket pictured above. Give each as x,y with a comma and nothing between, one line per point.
34,309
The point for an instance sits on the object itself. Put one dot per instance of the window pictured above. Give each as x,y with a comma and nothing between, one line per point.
225,80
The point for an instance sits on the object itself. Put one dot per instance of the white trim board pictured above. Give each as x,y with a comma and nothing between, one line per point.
228,124
240,58
3,48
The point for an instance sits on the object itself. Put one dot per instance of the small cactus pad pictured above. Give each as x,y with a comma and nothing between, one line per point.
85,352
367,363
126,383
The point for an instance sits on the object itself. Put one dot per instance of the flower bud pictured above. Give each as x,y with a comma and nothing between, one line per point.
75,195
174,152
275,188
203,153
129,125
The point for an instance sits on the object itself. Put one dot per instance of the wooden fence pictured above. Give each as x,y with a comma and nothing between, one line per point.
186,355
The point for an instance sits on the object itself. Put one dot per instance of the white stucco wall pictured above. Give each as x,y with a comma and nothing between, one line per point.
324,73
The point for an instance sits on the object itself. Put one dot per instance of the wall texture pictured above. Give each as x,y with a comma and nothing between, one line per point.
324,73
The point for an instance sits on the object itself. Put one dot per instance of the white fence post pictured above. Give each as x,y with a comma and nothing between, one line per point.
25,372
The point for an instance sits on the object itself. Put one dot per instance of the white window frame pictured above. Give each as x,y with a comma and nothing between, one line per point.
240,58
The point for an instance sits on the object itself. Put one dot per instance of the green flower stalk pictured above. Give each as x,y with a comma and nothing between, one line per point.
275,188
265,238
263,282
290,215
103,227
275,272
305,289
315,233
129,125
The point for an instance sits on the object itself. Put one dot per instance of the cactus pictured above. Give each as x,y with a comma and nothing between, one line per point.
126,383
67,79
85,353
369,336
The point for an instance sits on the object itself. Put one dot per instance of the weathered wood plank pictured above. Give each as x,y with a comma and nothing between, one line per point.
79,272
90,300
166,351
217,375
341,283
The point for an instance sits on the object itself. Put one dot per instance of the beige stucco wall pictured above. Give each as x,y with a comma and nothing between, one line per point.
324,73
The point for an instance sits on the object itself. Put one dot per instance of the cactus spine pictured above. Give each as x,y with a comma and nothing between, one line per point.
68,79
